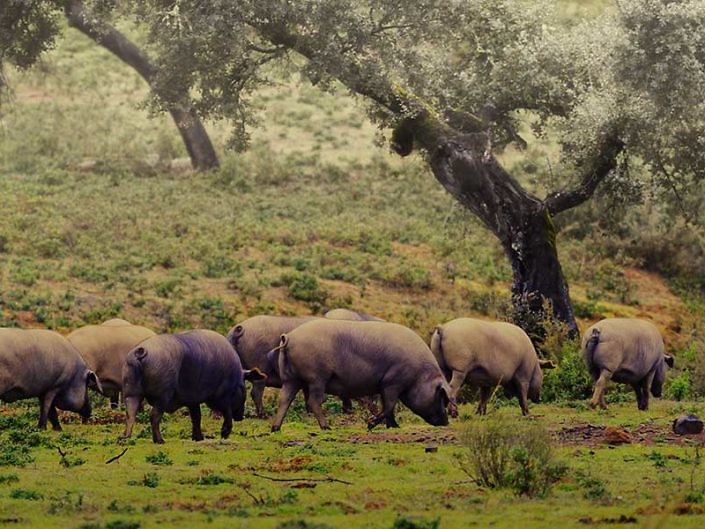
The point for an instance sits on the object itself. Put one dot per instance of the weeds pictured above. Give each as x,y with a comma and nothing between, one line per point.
500,453
160,458
593,488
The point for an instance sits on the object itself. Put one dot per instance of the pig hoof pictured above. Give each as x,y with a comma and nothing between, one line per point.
276,428
56,428
158,441
195,438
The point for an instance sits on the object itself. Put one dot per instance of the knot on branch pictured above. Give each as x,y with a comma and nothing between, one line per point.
403,137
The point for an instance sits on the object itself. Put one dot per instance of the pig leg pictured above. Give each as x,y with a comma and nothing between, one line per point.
227,427
132,404
347,405
598,395
46,401
286,397
114,402
522,393
645,384
155,418
390,395
54,419
456,382
257,394
485,394
195,413
316,396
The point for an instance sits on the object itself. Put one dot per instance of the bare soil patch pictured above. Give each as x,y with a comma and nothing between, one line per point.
648,434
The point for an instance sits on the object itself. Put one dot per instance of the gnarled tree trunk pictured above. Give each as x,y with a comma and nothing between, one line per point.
193,133
466,168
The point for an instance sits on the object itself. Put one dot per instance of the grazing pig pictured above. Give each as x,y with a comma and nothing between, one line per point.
105,347
626,350
489,354
185,369
357,359
253,339
350,315
40,363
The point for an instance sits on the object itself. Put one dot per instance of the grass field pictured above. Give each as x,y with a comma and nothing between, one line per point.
218,483
94,224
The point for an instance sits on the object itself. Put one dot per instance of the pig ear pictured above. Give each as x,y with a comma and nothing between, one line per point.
546,364
93,382
670,361
140,353
448,401
254,374
237,331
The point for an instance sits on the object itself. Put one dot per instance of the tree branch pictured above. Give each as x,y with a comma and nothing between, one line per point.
326,479
193,133
594,173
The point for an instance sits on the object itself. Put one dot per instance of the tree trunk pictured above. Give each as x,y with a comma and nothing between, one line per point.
537,275
193,133
466,168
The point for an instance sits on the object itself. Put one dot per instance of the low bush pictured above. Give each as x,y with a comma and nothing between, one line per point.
570,380
501,453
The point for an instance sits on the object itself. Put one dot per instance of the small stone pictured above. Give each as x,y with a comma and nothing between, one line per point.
151,160
180,165
431,449
87,165
687,424
616,436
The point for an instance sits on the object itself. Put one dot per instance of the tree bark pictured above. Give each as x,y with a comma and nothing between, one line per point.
193,133
467,169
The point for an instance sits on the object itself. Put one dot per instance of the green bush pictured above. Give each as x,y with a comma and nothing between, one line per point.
404,522
570,381
501,453
22,494
593,488
679,388
160,458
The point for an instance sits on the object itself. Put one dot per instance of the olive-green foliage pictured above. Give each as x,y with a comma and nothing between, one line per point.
302,524
679,387
501,453
159,458
570,381
593,488
404,522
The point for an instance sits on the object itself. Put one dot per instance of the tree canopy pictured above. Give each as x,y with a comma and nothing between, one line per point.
619,95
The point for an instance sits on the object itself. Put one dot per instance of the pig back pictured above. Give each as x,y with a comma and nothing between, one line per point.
104,347
34,361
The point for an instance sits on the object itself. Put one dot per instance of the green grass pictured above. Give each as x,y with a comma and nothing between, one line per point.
218,483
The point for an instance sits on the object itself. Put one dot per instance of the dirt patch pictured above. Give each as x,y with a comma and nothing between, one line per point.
647,434
405,437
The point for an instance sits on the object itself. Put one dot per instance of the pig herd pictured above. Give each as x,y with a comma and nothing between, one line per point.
345,353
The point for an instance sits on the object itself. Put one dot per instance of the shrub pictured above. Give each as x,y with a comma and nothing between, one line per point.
570,381
302,524
593,488
679,388
213,479
403,522
305,287
505,454
22,494
160,458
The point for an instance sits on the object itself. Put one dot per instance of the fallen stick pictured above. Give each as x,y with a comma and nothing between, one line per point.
319,480
115,458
